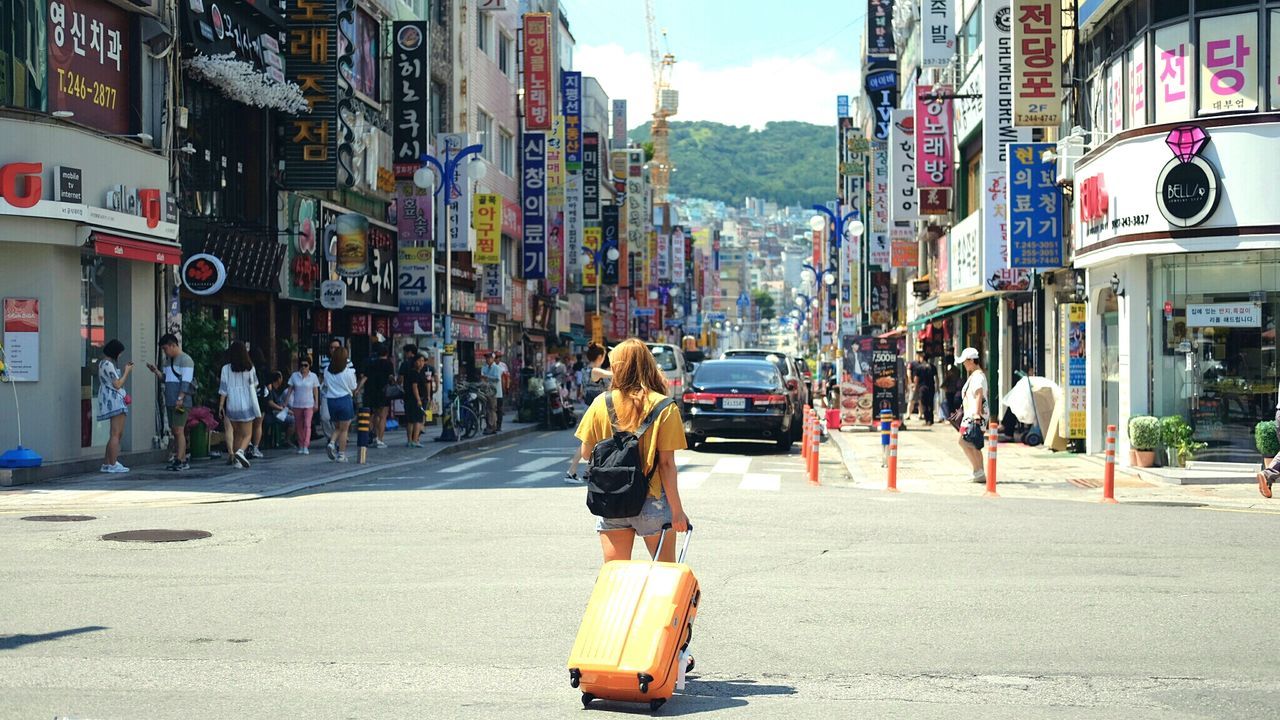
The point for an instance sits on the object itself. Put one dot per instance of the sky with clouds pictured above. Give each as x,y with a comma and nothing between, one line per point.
738,63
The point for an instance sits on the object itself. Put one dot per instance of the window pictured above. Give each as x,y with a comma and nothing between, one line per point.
484,125
439,108
973,184
970,37
442,12
484,31
505,44
507,153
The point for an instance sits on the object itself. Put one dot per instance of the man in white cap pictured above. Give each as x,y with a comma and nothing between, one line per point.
973,423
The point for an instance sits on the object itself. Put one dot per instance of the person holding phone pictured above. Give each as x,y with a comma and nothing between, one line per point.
113,402
178,377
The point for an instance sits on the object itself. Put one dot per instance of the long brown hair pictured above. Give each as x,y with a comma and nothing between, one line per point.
238,357
337,361
635,375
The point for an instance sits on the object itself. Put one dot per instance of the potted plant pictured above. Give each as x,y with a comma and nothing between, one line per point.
1176,434
1144,437
1264,436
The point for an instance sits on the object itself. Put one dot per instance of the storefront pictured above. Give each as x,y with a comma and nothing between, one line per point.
362,254
89,237
1177,230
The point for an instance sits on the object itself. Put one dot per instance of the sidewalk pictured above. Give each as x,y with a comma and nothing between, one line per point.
211,481
930,461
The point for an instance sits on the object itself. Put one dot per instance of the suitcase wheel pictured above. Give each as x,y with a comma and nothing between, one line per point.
586,699
575,677
655,704
644,679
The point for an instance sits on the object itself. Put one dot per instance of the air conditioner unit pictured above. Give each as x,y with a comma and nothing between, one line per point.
1069,149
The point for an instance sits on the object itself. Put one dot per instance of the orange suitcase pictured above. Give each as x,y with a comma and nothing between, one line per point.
636,631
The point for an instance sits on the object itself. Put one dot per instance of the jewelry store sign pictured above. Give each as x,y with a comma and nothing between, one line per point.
1242,315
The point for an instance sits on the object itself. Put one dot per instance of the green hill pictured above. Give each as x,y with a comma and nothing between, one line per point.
791,163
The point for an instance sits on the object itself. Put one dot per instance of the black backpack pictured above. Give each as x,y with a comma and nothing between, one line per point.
617,484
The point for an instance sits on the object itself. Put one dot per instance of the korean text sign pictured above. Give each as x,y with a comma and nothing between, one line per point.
311,146
938,33
537,71
409,97
591,243
571,95
534,204
486,218
1229,63
1035,208
1037,69
91,57
935,174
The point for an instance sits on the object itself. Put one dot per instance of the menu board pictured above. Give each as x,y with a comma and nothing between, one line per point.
856,396
885,377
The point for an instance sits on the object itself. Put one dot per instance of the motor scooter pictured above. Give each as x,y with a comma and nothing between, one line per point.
560,413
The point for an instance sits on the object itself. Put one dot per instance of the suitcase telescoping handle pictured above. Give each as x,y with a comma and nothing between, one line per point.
663,537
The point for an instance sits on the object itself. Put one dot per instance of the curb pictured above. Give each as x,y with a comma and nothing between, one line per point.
478,442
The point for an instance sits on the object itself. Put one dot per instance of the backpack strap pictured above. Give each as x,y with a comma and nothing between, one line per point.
613,414
653,416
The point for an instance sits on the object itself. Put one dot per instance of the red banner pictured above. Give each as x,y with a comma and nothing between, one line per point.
935,175
537,71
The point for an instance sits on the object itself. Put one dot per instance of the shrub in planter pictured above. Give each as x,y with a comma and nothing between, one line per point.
1144,437
1264,436
1175,435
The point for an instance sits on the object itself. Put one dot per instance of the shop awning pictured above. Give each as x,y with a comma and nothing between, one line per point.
920,322
134,249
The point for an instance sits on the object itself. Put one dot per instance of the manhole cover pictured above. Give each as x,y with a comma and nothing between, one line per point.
1086,483
59,518
157,536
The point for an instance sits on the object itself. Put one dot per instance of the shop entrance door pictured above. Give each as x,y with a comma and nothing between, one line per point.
1109,308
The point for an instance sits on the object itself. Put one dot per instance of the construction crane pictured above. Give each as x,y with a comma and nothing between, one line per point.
665,102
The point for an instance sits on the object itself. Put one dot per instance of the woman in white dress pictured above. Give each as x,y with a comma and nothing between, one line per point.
974,401
113,404
238,402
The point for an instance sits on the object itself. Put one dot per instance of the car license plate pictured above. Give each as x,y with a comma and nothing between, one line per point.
735,403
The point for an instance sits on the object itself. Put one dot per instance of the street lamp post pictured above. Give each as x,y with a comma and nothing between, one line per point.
610,253
832,280
444,190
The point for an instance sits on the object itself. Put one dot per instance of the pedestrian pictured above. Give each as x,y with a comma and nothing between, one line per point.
637,387
415,399
238,402
275,409
409,351
492,373
340,388
973,422
326,423
913,394
924,380
263,374
303,399
381,374
597,383
178,375
113,402
1268,475
506,378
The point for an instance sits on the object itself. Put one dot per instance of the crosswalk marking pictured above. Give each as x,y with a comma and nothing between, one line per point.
760,481
451,481
732,466
464,466
542,464
534,477
691,480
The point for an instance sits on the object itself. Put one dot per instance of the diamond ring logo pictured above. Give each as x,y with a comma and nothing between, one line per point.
1187,187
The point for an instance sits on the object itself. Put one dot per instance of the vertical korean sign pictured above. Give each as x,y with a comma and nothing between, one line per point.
1037,71
997,132
937,33
537,71
880,27
634,238
1136,66
1035,208
935,175
311,139
459,207
1229,63
534,204
590,177
555,177
879,252
410,115
609,240
619,139
486,219
91,60
1173,86
903,211
590,272
416,282
677,256
22,339
571,95
1074,366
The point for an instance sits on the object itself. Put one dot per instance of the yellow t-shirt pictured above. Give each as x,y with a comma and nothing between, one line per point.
667,432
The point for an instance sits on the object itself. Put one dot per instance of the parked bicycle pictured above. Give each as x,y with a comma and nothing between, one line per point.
467,407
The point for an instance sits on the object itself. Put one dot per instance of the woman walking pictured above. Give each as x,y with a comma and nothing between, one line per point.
973,422
263,373
380,374
637,388
415,399
238,402
113,402
595,383
303,399
340,387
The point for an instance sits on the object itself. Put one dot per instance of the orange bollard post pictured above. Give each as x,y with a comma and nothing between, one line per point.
815,453
804,436
1109,471
893,457
993,437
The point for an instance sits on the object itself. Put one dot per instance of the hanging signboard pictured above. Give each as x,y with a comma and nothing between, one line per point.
537,71
1035,208
1037,63
459,207
486,220
533,209
880,27
937,33
879,251
590,177
902,174
571,100
619,139
935,175
591,238
882,92
1074,366
609,241
417,278
411,121
311,138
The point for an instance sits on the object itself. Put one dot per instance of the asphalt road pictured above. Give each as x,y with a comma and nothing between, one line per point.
454,589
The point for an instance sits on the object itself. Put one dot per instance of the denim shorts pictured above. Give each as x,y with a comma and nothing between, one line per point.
341,409
655,513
